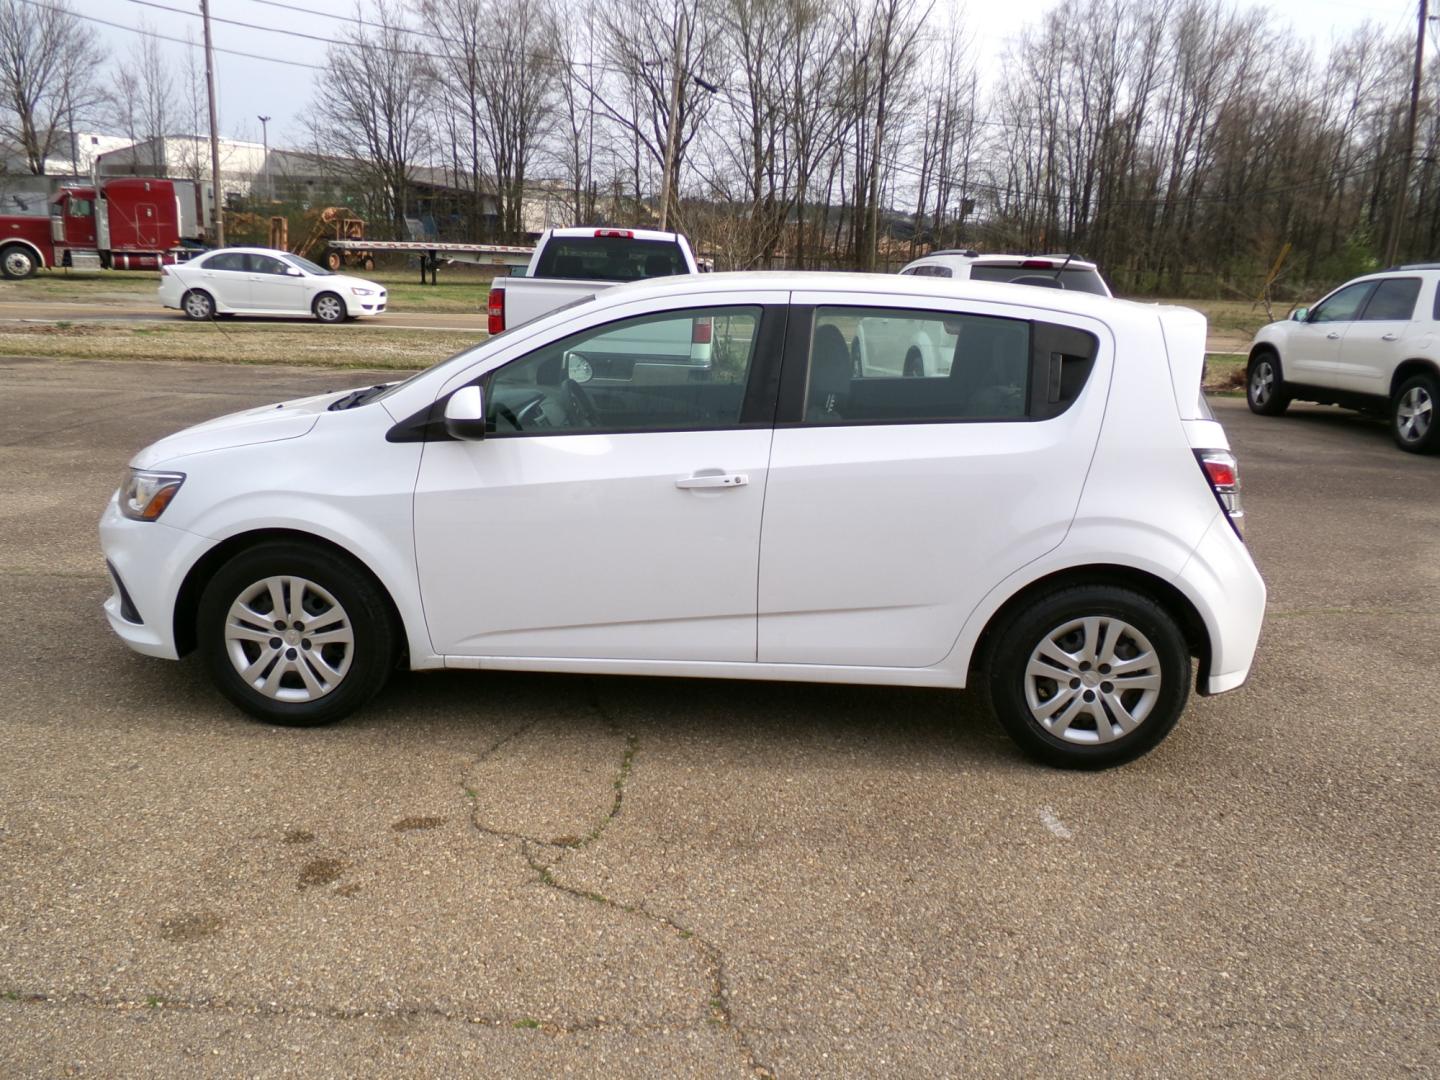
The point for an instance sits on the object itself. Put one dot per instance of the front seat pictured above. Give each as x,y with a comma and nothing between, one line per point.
830,367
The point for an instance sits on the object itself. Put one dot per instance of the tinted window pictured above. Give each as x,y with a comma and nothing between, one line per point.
679,370
1394,298
932,271
81,208
1343,305
226,260
1077,278
610,258
875,364
264,264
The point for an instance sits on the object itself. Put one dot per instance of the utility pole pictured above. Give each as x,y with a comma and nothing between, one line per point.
218,198
265,141
1397,222
668,184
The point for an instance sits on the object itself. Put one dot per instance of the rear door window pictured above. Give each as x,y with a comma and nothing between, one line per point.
226,260
879,365
610,258
1393,299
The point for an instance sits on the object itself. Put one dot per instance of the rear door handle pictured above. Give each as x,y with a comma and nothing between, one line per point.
1332,335
713,480
1389,337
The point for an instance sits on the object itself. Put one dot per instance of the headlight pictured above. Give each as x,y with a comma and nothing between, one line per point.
361,292
145,495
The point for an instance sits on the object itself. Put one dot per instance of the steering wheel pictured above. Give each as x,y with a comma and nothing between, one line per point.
578,401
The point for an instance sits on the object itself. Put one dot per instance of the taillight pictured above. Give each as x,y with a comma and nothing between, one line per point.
1037,264
1223,474
495,308
700,331
616,234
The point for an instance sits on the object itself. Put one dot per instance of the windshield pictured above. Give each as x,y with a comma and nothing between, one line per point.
1079,278
308,266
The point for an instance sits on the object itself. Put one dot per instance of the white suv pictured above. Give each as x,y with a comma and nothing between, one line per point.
1048,512
1373,345
1046,271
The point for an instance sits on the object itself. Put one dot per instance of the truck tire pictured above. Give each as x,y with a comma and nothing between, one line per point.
17,262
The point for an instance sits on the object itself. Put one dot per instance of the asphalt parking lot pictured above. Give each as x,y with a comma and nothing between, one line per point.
548,875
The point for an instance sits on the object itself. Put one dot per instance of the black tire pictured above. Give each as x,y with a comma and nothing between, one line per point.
319,582
1264,384
914,363
333,260
329,307
1415,414
198,305
367,264
1144,628
17,262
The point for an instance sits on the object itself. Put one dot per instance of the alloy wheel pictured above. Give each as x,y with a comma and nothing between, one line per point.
1262,382
1414,414
329,309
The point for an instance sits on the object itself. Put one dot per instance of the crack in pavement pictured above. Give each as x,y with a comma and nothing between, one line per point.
713,961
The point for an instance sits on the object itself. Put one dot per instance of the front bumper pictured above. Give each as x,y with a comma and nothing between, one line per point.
148,562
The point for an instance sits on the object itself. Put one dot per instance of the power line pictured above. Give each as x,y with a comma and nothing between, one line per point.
166,37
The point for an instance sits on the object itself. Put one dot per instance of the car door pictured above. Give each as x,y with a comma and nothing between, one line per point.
611,512
896,502
1312,347
224,276
1381,337
272,288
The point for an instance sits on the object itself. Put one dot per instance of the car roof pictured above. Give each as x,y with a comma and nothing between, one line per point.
889,285
248,251
602,230
993,258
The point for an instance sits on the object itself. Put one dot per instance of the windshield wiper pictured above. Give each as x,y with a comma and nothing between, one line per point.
358,397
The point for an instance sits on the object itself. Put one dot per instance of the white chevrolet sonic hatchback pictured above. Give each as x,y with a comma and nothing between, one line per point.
1047,511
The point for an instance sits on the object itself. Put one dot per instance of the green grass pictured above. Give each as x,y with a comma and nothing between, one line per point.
237,343
460,289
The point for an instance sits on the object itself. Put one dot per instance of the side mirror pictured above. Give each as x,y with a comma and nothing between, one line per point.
1300,314
294,271
465,414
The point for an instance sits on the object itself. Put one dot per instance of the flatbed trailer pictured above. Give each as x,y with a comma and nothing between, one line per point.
431,252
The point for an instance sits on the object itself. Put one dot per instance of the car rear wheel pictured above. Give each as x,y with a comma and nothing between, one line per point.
329,308
295,636
1413,419
17,262
198,305
1264,387
1089,677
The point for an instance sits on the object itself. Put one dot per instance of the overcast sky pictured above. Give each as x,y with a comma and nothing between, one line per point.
281,87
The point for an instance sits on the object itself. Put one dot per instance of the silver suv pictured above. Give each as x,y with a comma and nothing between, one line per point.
1372,345
1046,271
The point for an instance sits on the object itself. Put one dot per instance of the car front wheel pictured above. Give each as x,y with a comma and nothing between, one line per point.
294,635
1413,419
1264,388
329,308
1089,677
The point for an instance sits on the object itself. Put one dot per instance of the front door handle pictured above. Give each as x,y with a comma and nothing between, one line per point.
713,480
1389,337
1332,335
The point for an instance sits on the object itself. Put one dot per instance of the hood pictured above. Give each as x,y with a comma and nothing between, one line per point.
268,423
345,281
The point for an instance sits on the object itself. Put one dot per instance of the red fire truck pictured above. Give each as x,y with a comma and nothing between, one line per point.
119,223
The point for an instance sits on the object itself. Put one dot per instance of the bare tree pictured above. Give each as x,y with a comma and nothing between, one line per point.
373,103
142,104
48,58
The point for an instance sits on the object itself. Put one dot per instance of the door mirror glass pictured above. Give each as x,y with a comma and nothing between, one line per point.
578,368
1300,314
294,271
465,414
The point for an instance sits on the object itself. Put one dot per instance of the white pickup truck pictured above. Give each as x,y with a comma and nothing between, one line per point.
573,265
